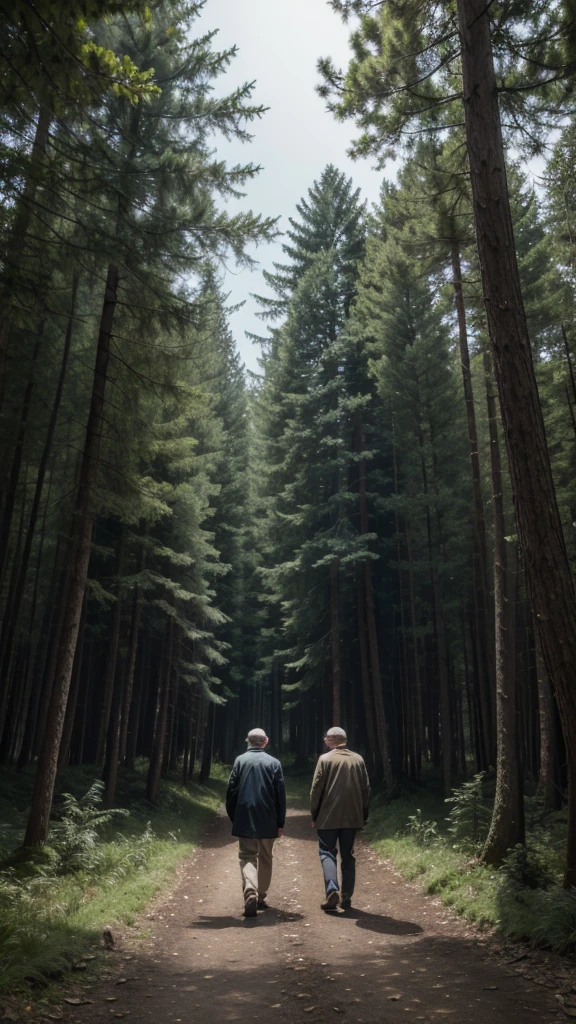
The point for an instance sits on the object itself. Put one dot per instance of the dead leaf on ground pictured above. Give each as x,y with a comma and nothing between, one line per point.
77,1001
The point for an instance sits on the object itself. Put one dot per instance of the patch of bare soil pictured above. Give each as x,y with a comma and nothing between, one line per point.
397,956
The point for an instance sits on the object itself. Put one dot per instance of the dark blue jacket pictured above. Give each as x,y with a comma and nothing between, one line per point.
256,798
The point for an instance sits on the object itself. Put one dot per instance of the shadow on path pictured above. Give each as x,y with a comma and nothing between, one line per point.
379,923
277,917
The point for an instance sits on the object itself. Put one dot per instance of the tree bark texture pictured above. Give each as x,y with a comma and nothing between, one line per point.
77,572
507,825
14,605
157,756
15,245
548,574
112,659
335,641
479,550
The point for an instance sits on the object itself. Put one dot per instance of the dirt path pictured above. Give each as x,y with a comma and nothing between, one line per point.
398,957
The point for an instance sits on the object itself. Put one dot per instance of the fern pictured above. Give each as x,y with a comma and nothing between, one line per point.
74,836
469,819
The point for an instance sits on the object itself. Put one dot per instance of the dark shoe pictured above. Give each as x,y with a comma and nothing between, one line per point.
262,905
346,903
332,900
251,907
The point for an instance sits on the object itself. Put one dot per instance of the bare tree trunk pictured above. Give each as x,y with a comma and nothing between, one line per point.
38,674
549,578
381,725
10,496
112,659
365,673
206,765
64,754
507,825
548,788
15,603
335,641
157,756
479,550
131,663
77,572
15,244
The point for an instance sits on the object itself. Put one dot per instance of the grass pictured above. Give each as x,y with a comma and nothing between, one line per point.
413,833
49,921
522,901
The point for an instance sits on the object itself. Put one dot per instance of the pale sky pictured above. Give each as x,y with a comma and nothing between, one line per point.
279,42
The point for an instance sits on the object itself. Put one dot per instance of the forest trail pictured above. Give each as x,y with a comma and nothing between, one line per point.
399,956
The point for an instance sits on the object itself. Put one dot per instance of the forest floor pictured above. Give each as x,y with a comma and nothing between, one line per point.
398,955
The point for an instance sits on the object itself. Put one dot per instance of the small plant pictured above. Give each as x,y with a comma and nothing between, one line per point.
526,868
74,836
555,925
469,819
422,831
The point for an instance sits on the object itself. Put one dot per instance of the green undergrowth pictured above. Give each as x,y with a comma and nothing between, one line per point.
426,841
52,912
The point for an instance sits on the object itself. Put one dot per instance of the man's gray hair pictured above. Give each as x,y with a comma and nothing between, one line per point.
336,733
256,737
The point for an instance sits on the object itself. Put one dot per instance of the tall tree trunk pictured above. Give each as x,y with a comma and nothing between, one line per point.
131,663
381,725
335,641
368,702
15,603
507,825
42,652
14,477
444,679
206,765
15,244
548,788
112,657
380,712
549,578
77,573
418,709
110,772
440,636
479,549
159,742
64,754
139,697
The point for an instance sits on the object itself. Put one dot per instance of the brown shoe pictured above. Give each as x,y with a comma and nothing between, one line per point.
251,907
332,900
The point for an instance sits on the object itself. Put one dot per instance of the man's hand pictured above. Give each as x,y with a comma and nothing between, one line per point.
312,824
280,833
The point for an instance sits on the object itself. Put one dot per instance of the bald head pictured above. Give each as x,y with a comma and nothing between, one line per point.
257,738
335,737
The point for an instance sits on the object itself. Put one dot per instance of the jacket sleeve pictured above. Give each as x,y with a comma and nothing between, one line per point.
232,791
365,781
317,790
280,796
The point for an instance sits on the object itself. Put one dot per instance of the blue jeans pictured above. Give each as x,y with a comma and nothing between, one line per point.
329,840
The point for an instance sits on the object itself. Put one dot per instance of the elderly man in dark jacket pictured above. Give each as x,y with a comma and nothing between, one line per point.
256,806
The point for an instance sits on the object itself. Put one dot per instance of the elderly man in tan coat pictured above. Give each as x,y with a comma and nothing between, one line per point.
339,801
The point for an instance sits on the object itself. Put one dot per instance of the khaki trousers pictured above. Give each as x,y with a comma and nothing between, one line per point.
255,856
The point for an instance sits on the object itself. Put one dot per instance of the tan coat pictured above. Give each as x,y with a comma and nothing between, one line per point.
340,792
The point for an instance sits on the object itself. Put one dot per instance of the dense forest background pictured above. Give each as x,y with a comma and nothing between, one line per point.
377,530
